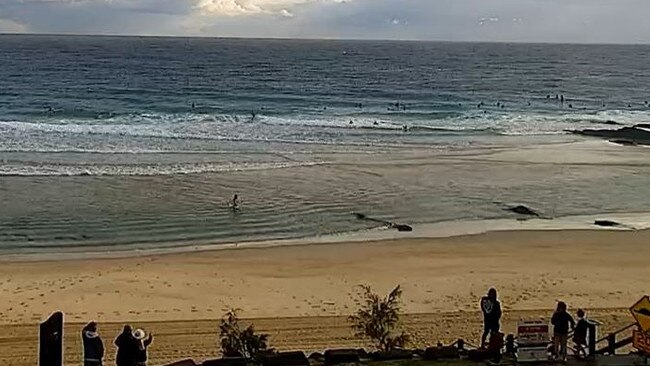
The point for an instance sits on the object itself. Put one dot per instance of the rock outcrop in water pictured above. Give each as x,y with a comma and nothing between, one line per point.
606,223
523,210
636,135
391,225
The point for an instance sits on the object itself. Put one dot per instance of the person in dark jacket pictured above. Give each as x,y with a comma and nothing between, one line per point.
126,348
92,344
491,309
580,334
142,343
562,323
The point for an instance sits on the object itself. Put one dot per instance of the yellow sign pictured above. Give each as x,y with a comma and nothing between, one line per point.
641,313
641,341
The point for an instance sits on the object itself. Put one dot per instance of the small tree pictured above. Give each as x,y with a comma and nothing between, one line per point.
236,342
378,319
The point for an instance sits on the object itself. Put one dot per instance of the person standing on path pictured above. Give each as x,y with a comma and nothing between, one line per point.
126,348
93,345
562,323
491,308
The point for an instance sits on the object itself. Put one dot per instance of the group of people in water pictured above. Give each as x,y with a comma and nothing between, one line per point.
131,346
562,322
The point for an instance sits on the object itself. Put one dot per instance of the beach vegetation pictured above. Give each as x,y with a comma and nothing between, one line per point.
378,319
236,341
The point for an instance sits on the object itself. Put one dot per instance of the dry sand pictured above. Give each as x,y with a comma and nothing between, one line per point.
301,294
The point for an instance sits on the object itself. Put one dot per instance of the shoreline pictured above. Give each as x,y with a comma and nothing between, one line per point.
630,221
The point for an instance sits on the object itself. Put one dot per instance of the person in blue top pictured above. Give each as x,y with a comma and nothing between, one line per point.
491,308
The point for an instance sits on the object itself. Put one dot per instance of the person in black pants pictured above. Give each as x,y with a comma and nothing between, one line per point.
142,343
491,309
92,345
561,321
126,348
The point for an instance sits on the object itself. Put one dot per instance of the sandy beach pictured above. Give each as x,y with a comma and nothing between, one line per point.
301,294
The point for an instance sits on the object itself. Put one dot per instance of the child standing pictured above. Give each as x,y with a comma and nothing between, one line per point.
580,334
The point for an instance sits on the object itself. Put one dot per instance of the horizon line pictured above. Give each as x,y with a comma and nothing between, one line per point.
345,39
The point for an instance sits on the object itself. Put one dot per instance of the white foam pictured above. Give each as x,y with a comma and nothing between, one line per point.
142,169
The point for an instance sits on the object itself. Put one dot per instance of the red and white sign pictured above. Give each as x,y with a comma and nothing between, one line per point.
532,332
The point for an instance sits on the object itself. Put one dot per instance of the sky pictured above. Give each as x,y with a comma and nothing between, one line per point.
570,21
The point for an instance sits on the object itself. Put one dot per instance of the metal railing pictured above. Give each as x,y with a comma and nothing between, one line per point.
613,341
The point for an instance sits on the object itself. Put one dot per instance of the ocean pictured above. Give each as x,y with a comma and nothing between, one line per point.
123,144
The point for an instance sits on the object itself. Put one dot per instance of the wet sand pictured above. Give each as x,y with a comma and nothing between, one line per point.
290,289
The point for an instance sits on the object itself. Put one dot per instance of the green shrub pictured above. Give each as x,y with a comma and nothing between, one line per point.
236,342
378,319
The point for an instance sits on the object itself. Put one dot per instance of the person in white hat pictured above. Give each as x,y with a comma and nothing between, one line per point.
143,341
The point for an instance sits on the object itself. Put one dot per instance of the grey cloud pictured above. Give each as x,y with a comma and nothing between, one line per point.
620,21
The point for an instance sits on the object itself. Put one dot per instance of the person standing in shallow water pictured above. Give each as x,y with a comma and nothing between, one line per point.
491,308
234,204
92,345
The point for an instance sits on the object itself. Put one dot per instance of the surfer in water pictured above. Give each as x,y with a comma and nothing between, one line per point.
234,204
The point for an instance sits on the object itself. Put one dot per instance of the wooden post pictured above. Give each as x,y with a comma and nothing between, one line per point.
50,350
611,344
592,339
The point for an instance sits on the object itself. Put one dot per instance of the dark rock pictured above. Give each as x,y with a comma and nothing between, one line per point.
611,123
642,125
397,354
523,210
632,134
606,223
339,356
401,227
441,353
362,353
285,359
226,361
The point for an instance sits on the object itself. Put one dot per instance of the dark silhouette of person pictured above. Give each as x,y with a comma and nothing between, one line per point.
142,343
93,345
491,308
580,334
234,204
561,321
126,348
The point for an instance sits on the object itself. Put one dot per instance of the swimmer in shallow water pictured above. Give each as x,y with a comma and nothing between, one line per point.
234,204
